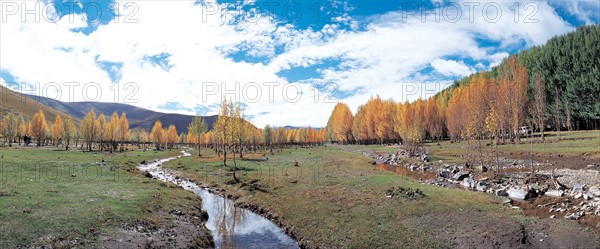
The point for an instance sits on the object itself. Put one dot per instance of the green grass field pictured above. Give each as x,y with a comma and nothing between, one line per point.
574,144
336,199
60,198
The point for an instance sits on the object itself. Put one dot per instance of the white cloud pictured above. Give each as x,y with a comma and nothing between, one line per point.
497,58
584,10
384,58
451,68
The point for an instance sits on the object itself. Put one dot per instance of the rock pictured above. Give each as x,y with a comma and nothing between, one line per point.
460,176
455,170
468,183
578,195
554,193
595,190
501,192
481,186
572,216
176,212
505,200
532,193
578,187
559,185
444,174
552,216
517,194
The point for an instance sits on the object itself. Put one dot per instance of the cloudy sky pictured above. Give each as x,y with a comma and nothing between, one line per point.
288,61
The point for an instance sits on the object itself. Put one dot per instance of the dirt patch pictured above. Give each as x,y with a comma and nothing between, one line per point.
546,207
476,229
176,229
404,171
560,161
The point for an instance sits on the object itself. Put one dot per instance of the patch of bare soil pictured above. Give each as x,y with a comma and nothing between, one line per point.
546,207
561,161
177,229
404,171
475,229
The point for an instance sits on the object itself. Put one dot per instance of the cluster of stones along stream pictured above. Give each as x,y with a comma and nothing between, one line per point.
574,193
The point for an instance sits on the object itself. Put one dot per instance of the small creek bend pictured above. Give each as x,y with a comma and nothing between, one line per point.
231,226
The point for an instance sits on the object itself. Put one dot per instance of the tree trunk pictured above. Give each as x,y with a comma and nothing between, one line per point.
224,155
234,166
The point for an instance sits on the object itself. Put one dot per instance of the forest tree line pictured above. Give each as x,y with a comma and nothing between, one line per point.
551,87
230,134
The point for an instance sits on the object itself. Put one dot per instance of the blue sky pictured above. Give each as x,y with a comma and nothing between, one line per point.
288,61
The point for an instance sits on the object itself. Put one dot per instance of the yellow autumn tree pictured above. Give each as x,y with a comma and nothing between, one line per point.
57,130
144,138
409,126
172,137
69,131
339,125
102,126
196,129
9,126
111,130
222,128
124,133
39,127
156,135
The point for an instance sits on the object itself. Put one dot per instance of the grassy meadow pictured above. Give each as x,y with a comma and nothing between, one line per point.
337,199
575,145
70,199
334,198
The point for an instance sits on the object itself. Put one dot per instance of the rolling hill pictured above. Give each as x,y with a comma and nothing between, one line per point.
138,117
17,103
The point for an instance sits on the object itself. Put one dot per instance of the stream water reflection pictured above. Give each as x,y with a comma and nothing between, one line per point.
231,226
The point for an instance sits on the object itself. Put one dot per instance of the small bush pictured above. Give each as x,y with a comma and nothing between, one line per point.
404,193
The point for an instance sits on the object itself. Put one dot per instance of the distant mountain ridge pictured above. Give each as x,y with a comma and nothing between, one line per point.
14,102
138,117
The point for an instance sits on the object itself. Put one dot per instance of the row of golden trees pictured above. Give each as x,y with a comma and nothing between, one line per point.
16,129
484,107
231,133
107,132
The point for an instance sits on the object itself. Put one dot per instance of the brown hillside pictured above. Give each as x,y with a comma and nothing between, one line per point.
11,101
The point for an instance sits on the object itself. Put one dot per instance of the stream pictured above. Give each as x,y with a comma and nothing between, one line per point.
231,226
